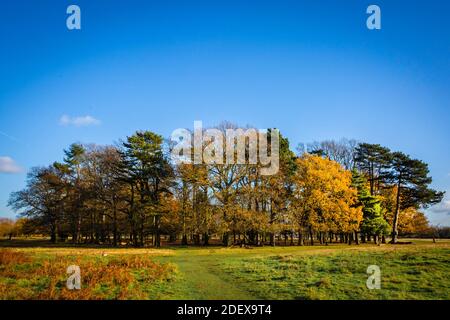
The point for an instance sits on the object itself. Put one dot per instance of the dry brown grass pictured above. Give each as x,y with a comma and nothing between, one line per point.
10,257
23,276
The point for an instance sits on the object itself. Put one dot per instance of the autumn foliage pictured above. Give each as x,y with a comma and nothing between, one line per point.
324,200
133,194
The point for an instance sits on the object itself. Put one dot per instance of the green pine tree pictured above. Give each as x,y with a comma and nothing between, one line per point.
373,223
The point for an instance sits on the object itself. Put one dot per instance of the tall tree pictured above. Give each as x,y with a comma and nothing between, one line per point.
326,199
374,160
373,223
411,179
147,169
280,187
7,227
74,157
194,202
342,151
102,165
42,199
412,221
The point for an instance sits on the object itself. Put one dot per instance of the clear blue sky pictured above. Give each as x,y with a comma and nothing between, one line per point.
310,68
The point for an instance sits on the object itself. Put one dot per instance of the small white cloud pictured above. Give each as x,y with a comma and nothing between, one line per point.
65,120
443,207
8,165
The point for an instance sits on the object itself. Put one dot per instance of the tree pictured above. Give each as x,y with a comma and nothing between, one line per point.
279,188
72,169
22,227
411,179
342,151
374,160
7,227
195,208
412,221
373,223
102,164
42,199
325,198
149,174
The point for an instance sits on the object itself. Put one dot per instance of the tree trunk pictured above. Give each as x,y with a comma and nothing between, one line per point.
141,233
157,240
226,239
272,239
397,212
53,234
114,226
300,239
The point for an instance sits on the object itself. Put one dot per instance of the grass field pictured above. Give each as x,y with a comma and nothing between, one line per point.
416,271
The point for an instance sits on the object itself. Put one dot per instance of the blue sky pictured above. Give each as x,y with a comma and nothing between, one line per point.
310,68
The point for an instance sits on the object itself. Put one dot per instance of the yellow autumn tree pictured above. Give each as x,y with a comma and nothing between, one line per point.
196,217
410,220
324,200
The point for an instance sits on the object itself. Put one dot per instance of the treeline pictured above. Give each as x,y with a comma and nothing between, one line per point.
133,194
10,228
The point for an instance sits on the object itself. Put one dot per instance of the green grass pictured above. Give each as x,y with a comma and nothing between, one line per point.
417,271
342,275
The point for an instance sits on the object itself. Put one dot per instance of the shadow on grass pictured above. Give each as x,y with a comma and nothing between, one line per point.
46,243
43,243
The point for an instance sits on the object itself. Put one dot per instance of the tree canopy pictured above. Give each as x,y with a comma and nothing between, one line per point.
133,194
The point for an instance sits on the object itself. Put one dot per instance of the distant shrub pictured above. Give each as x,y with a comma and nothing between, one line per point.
431,232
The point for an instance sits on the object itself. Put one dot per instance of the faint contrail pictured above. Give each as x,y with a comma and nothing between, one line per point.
9,137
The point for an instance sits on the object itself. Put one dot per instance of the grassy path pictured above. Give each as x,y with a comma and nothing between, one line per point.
201,279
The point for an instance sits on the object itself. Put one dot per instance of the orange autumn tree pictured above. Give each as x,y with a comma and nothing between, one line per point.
196,216
410,220
323,203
